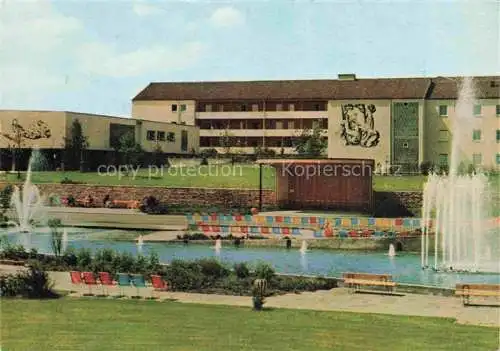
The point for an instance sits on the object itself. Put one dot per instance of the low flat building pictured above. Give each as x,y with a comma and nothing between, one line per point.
50,130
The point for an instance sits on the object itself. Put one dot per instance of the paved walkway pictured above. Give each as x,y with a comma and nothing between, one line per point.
117,218
338,299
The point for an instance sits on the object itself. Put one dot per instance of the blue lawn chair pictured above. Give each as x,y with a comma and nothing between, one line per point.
123,282
139,282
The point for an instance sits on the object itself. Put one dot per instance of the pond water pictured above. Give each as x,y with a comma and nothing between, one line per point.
405,268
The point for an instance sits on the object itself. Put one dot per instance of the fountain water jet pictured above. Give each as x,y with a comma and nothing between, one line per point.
28,203
392,251
303,247
64,240
140,243
459,205
218,245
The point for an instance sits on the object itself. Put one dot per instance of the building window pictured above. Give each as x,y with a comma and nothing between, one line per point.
291,124
243,108
498,135
171,136
498,110
255,107
443,110
183,107
291,107
208,108
151,135
279,107
477,110
184,140
160,136
443,135
477,159
498,159
443,159
476,135
220,108
317,107
174,107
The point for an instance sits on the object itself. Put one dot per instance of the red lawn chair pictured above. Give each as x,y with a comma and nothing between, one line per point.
158,284
89,280
76,279
106,281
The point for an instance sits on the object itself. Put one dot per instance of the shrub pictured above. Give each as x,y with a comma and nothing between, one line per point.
209,153
259,291
71,201
124,262
5,197
241,270
264,271
103,261
426,167
14,252
151,205
70,257
154,266
184,276
33,283
140,265
212,268
84,259
66,180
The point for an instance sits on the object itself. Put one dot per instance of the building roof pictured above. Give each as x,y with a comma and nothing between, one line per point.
319,89
487,87
395,88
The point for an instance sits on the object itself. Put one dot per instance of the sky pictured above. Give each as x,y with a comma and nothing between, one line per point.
95,56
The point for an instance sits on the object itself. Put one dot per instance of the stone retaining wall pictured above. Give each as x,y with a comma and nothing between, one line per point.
174,196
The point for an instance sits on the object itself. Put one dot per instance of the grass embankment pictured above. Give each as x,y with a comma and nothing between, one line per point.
84,324
240,177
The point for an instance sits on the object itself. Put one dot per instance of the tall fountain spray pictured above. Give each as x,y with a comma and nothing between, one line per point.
303,247
456,206
28,203
140,244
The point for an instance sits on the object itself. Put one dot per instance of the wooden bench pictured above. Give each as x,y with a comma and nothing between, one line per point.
354,281
468,290
131,204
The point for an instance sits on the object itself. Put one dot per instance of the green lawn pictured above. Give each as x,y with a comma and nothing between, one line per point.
84,324
241,176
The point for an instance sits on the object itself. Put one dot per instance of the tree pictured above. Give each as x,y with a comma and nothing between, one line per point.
130,151
56,236
311,142
75,147
225,141
19,135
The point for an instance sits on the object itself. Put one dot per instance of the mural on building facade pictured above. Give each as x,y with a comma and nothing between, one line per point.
35,131
358,125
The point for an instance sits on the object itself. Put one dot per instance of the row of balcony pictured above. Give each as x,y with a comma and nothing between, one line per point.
254,132
262,115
